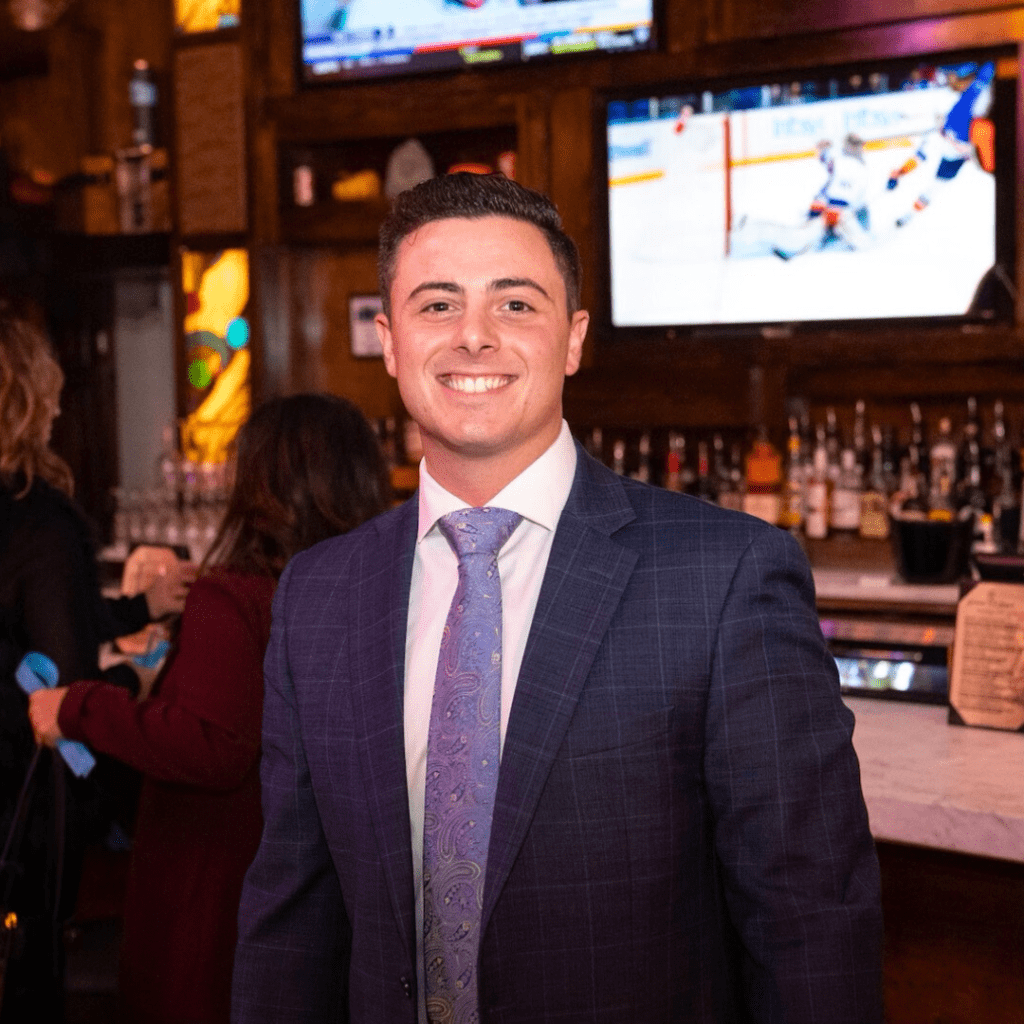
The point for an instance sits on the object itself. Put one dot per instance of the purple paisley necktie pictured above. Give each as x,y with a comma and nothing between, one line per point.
462,765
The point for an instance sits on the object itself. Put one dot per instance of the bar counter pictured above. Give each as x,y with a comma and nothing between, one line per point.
945,787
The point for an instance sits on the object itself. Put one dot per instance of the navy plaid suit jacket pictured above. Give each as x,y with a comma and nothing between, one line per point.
679,833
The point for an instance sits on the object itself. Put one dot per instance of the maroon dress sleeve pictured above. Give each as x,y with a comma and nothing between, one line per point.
202,727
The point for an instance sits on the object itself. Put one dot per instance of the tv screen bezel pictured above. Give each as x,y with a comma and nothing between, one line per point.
1006,114
306,80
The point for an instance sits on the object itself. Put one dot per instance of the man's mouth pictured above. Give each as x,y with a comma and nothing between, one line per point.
475,385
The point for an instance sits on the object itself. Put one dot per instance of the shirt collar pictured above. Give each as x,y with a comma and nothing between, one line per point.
539,493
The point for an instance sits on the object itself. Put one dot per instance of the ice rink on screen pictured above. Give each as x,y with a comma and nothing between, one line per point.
686,251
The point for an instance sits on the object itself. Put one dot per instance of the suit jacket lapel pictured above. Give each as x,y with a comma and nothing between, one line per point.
586,575
377,674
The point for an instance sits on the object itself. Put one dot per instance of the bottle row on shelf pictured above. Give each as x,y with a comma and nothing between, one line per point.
828,481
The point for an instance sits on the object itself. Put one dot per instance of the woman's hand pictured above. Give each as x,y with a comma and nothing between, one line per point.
43,708
166,594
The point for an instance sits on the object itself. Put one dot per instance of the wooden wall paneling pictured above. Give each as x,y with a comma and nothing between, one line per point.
273,307
367,111
1002,27
630,386
321,282
1019,276
954,937
533,141
905,348
210,139
749,19
897,385
143,29
687,26
276,44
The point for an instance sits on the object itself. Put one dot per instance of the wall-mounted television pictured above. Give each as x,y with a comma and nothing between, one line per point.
343,40
878,192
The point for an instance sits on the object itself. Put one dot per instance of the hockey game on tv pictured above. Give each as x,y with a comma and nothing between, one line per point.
347,39
851,198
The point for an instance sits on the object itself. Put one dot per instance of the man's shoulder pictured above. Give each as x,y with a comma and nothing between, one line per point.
664,514
369,543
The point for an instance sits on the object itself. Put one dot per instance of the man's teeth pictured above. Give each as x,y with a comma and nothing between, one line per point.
475,384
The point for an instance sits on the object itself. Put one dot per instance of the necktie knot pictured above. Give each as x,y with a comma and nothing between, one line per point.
478,531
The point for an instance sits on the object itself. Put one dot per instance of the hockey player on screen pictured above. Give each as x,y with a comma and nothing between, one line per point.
838,212
954,144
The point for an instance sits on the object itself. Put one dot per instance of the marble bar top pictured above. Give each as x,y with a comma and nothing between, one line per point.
928,783
879,587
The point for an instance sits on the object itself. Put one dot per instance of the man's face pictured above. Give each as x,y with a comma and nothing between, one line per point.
480,340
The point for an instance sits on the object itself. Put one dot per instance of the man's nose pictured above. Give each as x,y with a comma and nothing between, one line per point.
478,332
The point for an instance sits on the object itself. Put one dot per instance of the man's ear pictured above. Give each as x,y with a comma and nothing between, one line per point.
577,333
387,343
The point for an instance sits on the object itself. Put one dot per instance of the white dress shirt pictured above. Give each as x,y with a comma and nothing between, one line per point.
538,494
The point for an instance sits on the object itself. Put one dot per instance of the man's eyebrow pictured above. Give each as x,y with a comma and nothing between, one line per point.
503,283
436,286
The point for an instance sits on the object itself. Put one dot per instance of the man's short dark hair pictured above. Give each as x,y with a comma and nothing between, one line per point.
473,196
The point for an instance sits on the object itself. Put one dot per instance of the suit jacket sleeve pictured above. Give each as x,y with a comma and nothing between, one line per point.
791,830
292,933
202,728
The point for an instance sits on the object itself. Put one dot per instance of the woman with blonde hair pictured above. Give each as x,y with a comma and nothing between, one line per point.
307,467
50,602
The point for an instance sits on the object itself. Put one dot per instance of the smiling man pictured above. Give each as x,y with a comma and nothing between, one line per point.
545,744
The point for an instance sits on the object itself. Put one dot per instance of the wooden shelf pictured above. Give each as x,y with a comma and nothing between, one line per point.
333,222
328,221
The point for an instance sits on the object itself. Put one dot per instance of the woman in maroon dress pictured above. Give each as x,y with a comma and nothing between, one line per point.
307,467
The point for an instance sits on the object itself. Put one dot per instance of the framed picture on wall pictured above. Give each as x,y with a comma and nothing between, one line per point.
362,309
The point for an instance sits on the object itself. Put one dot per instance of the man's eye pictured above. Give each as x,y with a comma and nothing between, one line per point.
517,306
440,306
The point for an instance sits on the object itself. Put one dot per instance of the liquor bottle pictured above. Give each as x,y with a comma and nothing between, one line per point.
890,458
833,443
874,500
942,469
845,508
142,95
719,465
969,488
643,469
674,462
764,480
791,514
816,493
860,436
595,443
1006,499
911,499
918,440
704,487
619,457
731,491
387,433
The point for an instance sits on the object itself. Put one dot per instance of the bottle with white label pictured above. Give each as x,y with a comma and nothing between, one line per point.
816,494
846,494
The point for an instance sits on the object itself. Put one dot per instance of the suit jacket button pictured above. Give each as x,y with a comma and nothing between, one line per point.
407,987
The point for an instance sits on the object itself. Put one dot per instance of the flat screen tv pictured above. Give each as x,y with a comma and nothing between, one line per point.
344,40
874,193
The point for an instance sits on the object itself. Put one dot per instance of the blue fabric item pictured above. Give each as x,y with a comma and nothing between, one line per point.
153,658
35,672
